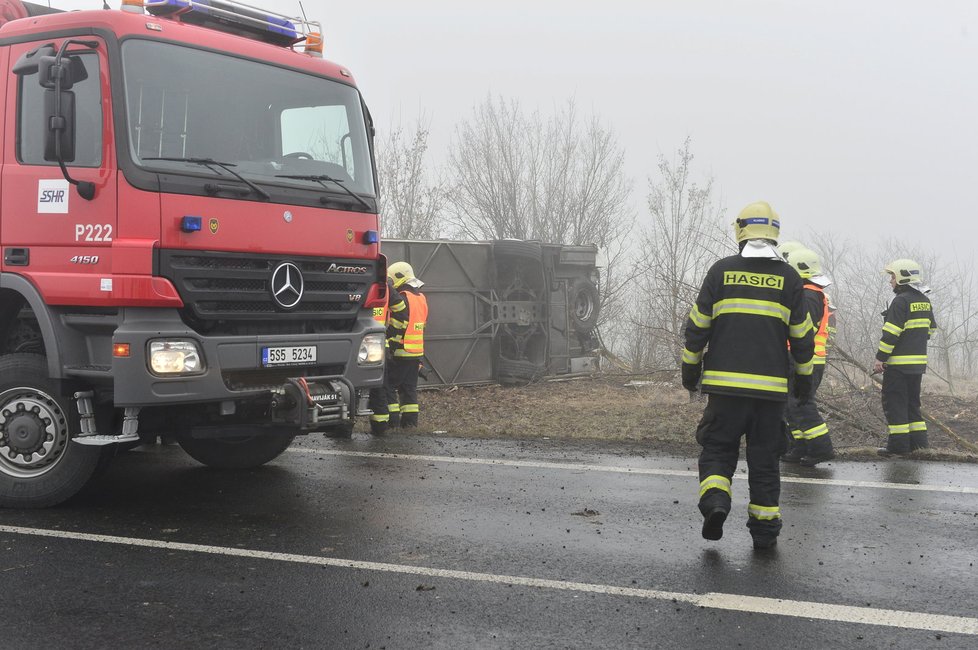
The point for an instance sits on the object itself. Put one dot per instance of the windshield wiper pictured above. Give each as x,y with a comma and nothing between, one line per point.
211,163
322,179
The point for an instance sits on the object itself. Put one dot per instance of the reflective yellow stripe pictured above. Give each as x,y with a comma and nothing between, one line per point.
397,324
715,482
380,418
745,380
805,369
898,428
409,408
407,353
692,357
818,361
699,319
401,306
931,331
918,426
394,408
890,328
885,348
917,323
797,434
799,330
816,432
908,360
764,513
755,307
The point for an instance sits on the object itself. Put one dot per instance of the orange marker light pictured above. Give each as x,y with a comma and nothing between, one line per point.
120,350
134,6
314,44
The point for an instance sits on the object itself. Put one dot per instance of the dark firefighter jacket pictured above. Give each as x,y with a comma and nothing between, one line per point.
907,326
746,312
405,326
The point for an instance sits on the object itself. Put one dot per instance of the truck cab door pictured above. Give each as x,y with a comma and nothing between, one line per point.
49,232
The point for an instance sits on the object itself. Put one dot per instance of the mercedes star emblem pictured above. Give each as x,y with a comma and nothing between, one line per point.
287,285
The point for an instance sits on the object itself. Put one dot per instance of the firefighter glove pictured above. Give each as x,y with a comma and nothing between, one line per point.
691,375
803,388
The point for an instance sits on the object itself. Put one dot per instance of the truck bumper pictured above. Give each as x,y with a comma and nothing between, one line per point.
233,370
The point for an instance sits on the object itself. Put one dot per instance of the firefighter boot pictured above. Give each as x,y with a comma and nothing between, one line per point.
715,506
409,420
818,451
764,534
918,440
378,428
897,444
796,452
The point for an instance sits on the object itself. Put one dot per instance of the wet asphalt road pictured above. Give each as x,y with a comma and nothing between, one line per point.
568,545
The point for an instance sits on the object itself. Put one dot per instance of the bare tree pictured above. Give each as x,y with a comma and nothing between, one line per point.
521,176
682,239
410,203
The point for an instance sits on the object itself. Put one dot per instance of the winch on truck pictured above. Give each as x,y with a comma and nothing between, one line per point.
190,238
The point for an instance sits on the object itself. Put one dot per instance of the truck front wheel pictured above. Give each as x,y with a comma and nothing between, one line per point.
239,452
39,467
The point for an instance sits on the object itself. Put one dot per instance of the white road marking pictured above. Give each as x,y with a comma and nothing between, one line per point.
582,467
732,602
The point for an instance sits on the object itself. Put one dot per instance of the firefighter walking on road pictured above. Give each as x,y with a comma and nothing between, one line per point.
377,397
405,337
749,307
811,434
908,324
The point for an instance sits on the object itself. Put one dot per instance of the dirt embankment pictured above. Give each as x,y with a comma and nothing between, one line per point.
659,413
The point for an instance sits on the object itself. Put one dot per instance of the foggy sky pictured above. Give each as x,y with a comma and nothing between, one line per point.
860,118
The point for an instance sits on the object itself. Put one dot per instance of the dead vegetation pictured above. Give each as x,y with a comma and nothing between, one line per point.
658,412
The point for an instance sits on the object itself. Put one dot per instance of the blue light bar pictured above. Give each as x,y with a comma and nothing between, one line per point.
371,237
236,18
190,224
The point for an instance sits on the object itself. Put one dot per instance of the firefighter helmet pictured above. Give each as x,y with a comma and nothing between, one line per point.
403,273
806,262
906,271
757,221
788,247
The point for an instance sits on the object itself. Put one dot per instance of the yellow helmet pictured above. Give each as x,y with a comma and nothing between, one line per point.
806,262
401,273
789,247
905,271
757,221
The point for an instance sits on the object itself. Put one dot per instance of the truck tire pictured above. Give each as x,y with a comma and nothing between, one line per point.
585,305
241,452
517,248
39,467
511,372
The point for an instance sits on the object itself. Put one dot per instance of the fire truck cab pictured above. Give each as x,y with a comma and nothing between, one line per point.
188,222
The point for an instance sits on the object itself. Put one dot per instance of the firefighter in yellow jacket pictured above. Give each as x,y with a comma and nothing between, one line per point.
750,306
908,324
810,431
405,338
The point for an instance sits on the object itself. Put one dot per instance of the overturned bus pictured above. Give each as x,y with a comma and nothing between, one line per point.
506,311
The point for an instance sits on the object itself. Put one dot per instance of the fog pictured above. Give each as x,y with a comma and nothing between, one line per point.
854,118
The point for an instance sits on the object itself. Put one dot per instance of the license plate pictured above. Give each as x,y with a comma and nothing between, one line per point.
298,355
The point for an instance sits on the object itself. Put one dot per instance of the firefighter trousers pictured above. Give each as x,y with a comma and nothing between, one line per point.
401,385
725,419
806,424
901,407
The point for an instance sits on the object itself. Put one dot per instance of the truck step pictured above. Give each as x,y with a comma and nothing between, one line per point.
98,440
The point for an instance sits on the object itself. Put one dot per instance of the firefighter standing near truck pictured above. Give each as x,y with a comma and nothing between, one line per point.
405,337
377,397
749,307
908,324
812,444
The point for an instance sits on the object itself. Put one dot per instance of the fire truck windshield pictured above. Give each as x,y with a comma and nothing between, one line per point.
268,122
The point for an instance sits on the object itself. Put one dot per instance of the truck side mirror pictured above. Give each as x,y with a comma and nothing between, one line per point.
28,62
70,69
59,126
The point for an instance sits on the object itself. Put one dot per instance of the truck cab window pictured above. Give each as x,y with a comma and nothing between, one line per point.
88,118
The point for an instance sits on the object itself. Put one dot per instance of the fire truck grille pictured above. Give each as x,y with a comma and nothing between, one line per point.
218,287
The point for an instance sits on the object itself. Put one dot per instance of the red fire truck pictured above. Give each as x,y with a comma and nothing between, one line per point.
188,219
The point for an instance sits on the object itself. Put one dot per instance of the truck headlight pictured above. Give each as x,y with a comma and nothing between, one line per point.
175,357
371,350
